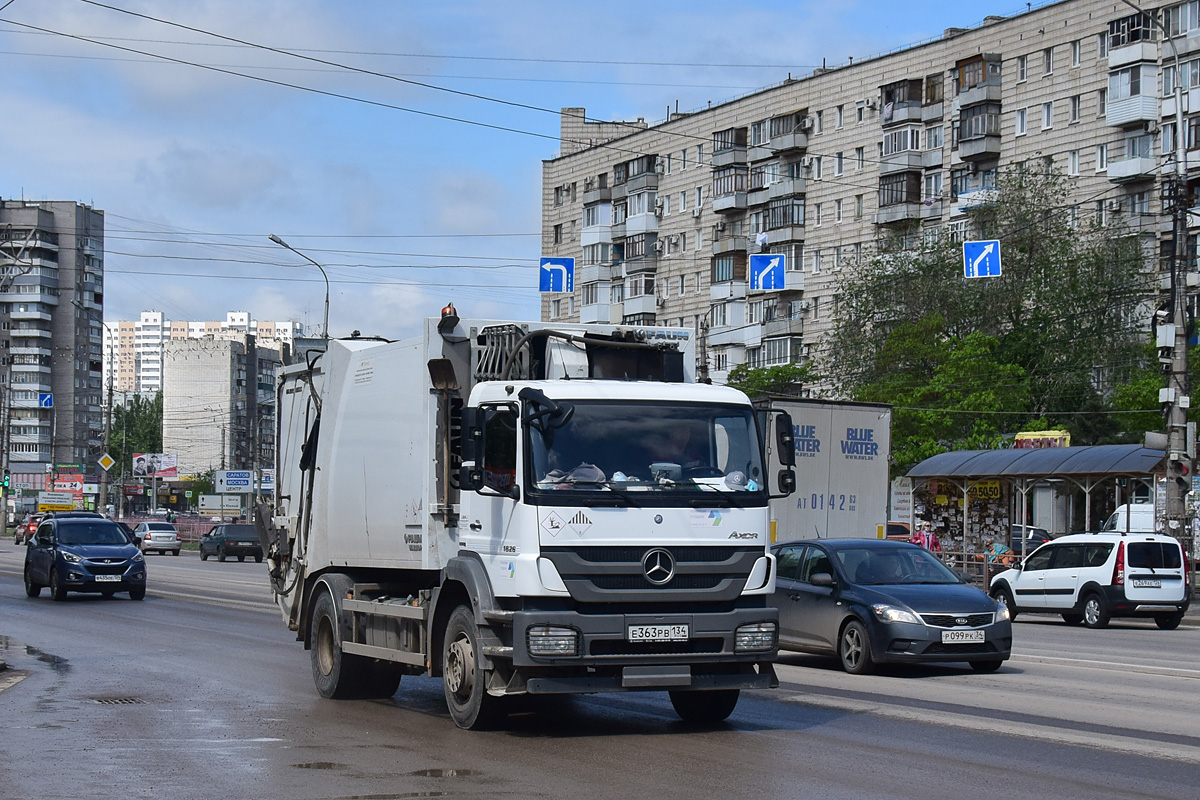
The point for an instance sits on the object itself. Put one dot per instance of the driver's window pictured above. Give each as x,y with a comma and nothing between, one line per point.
815,561
500,449
45,534
1040,559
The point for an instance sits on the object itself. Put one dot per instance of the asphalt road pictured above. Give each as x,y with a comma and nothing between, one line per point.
199,691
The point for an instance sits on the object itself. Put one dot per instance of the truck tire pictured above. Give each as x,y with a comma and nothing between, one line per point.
337,675
704,707
383,679
464,680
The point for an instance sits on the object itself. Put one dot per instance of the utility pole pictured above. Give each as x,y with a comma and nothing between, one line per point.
107,435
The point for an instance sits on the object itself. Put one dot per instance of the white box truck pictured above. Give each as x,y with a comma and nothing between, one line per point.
525,509
842,452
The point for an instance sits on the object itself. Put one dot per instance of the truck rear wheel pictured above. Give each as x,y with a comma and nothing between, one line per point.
464,679
337,675
705,707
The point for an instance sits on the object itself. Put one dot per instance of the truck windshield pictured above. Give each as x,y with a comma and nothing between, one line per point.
687,450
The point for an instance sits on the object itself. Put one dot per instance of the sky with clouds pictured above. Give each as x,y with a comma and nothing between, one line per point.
397,143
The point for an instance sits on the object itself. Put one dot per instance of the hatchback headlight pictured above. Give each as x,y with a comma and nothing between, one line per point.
71,558
893,614
1002,612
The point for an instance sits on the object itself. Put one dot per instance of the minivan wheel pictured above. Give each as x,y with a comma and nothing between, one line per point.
1004,596
57,590
1168,622
1072,619
1095,611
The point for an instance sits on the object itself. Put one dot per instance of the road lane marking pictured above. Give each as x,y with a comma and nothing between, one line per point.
977,724
1173,672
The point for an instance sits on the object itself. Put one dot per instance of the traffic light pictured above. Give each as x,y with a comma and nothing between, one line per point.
7,479
1180,468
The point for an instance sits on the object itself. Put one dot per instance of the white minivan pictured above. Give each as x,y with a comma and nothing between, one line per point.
1138,518
1093,577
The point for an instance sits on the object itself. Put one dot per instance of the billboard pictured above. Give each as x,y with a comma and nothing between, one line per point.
155,465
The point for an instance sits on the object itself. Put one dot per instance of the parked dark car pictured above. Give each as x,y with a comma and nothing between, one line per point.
1027,536
224,541
71,553
869,601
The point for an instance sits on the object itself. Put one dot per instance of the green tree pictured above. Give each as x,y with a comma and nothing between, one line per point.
136,428
781,379
968,361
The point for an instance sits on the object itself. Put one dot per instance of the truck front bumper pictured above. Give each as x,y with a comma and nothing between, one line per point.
606,657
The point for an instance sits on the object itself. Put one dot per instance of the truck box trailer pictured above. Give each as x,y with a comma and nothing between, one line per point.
522,508
842,452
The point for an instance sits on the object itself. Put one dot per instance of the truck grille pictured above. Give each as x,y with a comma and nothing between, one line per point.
616,574
617,647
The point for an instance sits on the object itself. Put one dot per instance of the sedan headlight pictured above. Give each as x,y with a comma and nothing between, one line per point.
893,614
1002,612
71,558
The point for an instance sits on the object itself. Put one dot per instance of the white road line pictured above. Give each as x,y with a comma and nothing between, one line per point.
1104,741
1174,672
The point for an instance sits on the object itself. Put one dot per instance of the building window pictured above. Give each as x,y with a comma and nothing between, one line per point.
616,293
558,233
759,133
819,125
904,187
817,215
933,137
815,262
1022,68
1021,122
682,202
1101,213
1076,52
837,210
818,168
683,162
977,121
933,186
838,163
838,117
1047,115
1191,77
859,157
934,88
1139,203
860,114
1125,83
1101,157
589,293
1101,102
1130,30
1075,104
1048,61
858,206
1102,44
901,140
1181,19
699,197
1072,162
718,315
669,161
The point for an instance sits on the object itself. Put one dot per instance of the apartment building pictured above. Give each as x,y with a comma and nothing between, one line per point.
832,168
52,304
219,403
133,349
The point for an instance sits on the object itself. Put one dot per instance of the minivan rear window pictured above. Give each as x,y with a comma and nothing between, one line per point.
1155,555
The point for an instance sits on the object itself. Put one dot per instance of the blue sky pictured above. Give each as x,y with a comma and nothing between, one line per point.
194,166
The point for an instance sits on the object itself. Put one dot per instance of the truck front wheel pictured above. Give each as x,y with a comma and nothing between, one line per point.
337,675
470,705
704,707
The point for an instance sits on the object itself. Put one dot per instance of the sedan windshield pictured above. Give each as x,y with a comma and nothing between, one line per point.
78,533
871,566
648,447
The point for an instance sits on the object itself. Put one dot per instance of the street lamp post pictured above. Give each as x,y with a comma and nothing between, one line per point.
282,243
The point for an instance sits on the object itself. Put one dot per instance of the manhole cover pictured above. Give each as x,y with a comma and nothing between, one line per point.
118,701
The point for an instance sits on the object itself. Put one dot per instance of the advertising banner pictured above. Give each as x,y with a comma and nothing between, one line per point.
155,465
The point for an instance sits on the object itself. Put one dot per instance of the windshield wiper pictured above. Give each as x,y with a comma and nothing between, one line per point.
621,493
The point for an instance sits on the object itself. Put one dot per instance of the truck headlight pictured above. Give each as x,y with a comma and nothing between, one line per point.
552,640
756,637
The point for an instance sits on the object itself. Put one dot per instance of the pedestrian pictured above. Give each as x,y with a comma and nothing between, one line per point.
925,537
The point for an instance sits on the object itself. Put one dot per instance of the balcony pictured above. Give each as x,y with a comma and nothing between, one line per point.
593,196
734,201
647,180
931,159
730,157
595,234
984,93
904,161
599,312
1133,54
788,142
641,223
786,233
29,333
725,290
932,209
973,199
907,111
788,326
730,244
640,264
787,188
642,304
591,273
1131,111
981,148
1127,170
756,197
31,315
898,212
932,112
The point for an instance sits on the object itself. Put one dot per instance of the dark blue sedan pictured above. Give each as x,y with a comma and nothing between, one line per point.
869,601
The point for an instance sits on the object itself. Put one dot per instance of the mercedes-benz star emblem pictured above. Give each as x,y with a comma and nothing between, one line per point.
659,566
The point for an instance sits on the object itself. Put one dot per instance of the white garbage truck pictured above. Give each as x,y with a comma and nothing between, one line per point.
525,508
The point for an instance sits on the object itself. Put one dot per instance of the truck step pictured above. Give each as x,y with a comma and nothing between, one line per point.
498,651
499,615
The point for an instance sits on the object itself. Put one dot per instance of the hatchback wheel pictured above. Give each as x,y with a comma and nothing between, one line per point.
203,556
1095,611
986,665
854,647
220,554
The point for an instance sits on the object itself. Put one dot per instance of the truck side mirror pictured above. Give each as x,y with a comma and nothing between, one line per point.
470,478
787,482
472,435
785,441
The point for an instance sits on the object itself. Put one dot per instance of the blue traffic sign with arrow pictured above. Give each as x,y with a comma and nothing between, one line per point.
767,271
557,275
981,259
